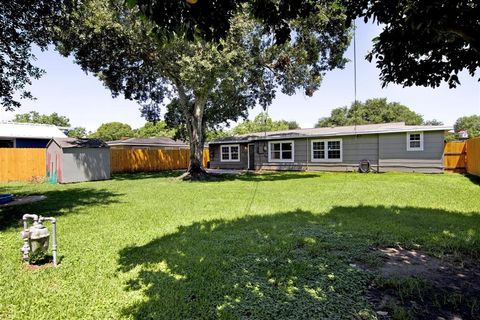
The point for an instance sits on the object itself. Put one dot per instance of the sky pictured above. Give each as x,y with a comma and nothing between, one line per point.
69,91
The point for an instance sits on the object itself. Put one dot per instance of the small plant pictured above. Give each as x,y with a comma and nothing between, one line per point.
38,258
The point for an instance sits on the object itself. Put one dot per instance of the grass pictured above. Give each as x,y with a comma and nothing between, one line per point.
255,247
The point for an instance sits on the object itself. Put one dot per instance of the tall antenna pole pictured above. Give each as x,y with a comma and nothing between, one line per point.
354,62
265,122
355,74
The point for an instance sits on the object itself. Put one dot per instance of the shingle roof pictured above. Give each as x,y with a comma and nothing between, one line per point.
30,130
154,141
330,131
66,143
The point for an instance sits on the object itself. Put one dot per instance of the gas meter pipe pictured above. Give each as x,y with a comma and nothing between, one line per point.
53,221
26,235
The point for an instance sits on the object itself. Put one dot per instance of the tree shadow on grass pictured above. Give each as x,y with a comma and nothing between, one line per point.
57,203
219,177
473,178
265,176
293,265
147,175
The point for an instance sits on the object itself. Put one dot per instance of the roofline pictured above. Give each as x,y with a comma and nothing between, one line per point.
53,140
30,124
334,134
24,137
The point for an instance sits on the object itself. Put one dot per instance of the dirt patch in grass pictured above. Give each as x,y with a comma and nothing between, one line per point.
414,285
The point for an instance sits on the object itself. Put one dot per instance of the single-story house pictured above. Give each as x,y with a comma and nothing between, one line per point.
77,160
27,135
386,147
153,143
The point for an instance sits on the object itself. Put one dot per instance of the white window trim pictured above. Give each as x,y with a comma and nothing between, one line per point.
281,153
408,141
229,153
325,141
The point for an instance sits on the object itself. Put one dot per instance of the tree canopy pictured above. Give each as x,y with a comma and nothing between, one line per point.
469,123
24,23
207,83
35,117
113,131
422,42
263,122
370,111
77,132
157,129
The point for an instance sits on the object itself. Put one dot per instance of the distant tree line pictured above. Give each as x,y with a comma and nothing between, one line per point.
373,111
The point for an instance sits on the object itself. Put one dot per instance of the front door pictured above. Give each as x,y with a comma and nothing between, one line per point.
251,157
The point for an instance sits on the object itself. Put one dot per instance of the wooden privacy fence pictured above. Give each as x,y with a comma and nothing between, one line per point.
22,164
138,160
455,156
473,156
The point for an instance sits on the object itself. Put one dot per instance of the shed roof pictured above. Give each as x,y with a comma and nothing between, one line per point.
391,127
67,143
30,130
149,142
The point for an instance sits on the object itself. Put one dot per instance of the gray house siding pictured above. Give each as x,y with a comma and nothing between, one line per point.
354,149
385,152
85,164
395,157
215,158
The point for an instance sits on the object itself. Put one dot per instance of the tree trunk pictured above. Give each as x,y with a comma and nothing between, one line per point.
194,122
195,167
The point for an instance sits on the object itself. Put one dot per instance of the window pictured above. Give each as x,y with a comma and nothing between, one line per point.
415,141
230,152
326,150
281,151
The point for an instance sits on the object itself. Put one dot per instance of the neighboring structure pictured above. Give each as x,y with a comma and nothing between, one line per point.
387,147
148,143
77,160
27,135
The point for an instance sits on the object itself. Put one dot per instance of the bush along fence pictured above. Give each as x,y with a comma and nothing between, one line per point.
463,156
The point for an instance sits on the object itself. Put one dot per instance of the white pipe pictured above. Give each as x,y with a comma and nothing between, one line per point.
54,237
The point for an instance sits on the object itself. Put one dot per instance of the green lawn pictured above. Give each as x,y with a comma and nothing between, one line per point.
272,246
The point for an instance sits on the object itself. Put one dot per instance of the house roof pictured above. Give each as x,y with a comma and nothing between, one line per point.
30,130
149,142
391,127
67,143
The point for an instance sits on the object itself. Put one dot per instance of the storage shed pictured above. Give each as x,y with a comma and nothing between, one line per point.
77,160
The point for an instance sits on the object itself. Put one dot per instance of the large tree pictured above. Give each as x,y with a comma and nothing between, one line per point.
469,123
154,129
113,131
423,42
24,23
207,83
370,111
77,132
263,122
35,117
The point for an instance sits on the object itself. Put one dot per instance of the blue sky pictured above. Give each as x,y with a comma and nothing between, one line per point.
67,90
